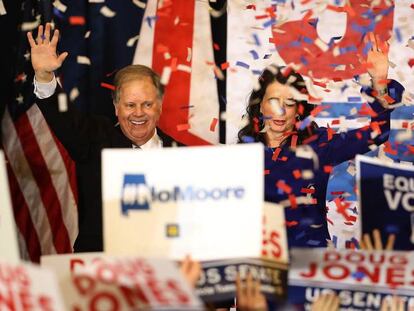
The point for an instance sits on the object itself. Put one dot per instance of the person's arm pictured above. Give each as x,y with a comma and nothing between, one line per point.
337,148
75,130
44,89
43,53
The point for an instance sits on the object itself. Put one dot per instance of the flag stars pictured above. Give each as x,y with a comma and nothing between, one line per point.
19,99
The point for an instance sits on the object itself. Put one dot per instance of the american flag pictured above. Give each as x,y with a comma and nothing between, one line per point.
101,37
41,174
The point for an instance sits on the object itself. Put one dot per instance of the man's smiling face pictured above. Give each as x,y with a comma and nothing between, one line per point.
138,110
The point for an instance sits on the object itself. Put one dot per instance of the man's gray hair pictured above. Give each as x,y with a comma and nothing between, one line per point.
136,72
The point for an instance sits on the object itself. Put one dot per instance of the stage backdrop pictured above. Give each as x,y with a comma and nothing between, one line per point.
209,54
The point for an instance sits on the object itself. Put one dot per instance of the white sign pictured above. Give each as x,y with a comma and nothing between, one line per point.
361,278
94,281
8,235
217,281
28,287
203,201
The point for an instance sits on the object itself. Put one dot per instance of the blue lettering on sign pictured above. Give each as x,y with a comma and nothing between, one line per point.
137,195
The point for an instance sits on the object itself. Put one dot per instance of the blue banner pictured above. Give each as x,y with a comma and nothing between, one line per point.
386,198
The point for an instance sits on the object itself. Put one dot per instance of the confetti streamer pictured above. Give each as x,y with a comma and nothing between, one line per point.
322,45
225,65
189,54
139,4
256,39
276,154
184,68
291,223
307,190
293,202
398,34
60,6
76,20
165,76
83,60
108,86
297,174
183,127
280,184
29,26
131,41
62,102
74,93
254,54
213,124
242,64
354,99
107,12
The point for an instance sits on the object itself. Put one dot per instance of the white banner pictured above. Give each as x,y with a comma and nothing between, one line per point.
202,201
217,282
361,278
8,235
95,281
28,287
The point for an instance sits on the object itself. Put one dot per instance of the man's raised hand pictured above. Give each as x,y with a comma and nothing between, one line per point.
43,53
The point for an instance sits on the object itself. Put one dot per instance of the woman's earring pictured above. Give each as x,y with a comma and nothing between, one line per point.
297,117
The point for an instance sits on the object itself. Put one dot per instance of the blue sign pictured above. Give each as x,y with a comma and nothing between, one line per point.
387,200
137,195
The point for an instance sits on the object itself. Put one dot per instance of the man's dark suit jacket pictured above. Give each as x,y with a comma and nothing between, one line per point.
84,136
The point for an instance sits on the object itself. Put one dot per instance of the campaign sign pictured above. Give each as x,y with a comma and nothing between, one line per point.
170,202
217,282
8,235
362,279
386,199
94,281
28,287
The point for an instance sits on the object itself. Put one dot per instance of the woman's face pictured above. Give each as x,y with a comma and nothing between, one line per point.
279,109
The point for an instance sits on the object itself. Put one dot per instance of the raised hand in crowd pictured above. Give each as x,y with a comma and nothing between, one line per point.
44,57
377,65
366,241
394,304
249,296
326,302
191,269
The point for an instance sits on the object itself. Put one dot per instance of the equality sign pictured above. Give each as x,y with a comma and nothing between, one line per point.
8,235
94,281
361,279
170,202
386,199
28,287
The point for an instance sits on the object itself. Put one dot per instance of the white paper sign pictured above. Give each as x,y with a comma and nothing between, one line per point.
28,287
94,281
8,235
217,281
361,278
203,201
